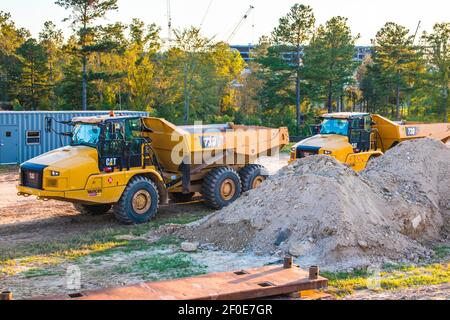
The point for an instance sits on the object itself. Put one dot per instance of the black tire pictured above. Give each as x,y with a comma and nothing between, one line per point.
179,197
126,213
214,184
95,210
250,174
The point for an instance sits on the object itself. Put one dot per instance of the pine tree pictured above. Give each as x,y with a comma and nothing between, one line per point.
294,32
84,13
437,54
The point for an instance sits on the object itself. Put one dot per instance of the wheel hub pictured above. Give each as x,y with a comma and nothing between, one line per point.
228,189
258,181
141,202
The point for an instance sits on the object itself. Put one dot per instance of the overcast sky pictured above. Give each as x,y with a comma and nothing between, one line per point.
365,17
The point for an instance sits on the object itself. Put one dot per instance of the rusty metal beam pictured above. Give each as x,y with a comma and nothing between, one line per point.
257,283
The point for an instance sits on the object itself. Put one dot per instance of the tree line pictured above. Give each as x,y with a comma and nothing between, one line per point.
297,72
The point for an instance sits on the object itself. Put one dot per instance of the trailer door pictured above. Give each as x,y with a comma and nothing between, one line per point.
9,145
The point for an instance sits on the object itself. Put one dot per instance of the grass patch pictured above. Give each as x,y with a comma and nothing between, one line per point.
390,277
287,148
17,259
442,252
162,266
36,273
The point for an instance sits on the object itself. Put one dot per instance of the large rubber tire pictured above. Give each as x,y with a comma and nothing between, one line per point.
252,176
221,187
95,210
140,194
179,197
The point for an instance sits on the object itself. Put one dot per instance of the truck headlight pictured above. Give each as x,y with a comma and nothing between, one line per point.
55,174
328,152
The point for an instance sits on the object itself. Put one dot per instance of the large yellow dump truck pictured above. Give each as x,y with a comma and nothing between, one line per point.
133,164
356,138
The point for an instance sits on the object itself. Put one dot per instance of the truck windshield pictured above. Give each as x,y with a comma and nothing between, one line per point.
86,134
335,126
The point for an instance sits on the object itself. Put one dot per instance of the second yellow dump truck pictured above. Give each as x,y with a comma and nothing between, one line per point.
356,138
132,165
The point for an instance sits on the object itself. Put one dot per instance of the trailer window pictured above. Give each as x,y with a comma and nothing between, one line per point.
33,137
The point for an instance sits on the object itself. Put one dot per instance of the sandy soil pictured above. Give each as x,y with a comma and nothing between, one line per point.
440,292
25,220
327,214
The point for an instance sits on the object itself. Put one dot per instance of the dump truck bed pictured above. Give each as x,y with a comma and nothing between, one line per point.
391,133
197,145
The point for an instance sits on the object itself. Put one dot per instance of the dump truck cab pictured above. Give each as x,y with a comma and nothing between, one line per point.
94,170
348,137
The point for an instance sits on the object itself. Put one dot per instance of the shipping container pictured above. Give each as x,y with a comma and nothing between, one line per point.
23,135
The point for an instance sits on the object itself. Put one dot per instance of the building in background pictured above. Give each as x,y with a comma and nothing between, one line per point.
23,136
245,51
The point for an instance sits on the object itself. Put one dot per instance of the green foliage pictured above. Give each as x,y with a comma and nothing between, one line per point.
298,72
328,61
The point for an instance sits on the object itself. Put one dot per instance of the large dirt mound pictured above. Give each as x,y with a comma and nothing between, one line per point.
326,214
417,172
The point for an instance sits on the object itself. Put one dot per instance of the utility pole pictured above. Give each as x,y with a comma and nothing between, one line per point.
169,21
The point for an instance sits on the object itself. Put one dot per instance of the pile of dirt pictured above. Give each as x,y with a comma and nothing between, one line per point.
327,214
416,172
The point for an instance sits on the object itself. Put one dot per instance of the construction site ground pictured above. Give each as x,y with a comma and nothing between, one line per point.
40,242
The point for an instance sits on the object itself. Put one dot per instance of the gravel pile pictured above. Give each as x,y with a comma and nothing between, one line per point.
323,212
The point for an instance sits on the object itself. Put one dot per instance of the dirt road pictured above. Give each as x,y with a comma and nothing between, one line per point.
24,220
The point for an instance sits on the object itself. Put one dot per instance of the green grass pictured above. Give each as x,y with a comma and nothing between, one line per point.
442,252
162,266
391,277
18,259
36,273
287,148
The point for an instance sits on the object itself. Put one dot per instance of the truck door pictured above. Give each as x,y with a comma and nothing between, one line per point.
112,146
360,134
134,142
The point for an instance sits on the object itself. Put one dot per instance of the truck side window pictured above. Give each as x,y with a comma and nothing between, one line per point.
367,123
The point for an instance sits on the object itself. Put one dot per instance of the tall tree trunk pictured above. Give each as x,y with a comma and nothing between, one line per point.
397,103
330,97
84,80
186,96
445,105
298,101
445,90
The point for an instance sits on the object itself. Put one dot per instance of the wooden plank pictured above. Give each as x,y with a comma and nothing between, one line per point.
243,285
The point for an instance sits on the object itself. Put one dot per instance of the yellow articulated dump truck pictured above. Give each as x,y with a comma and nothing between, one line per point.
356,138
133,164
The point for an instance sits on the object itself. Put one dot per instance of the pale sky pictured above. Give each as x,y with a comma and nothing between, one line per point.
365,17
